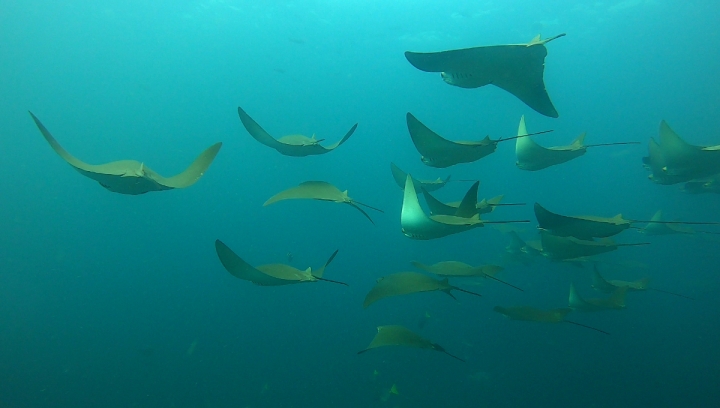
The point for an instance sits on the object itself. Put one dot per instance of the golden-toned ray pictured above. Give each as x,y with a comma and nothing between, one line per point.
571,248
396,335
673,160
405,283
291,145
532,157
319,190
608,286
456,269
615,301
516,68
436,151
588,227
130,176
269,275
531,314
428,185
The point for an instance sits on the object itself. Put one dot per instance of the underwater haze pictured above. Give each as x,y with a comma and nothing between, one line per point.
113,300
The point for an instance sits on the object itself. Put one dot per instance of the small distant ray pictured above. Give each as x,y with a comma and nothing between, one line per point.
436,151
532,157
416,224
608,286
516,68
322,191
615,301
571,248
428,185
405,283
269,275
531,314
396,335
456,269
130,176
291,145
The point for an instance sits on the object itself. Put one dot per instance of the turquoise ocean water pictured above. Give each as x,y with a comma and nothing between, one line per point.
110,300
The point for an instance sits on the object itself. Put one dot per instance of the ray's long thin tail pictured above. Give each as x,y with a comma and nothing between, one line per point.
505,139
671,293
612,144
455,357
332,281
368,206
585,326
466,291
503,282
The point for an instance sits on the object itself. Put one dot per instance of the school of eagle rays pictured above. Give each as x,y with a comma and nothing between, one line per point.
518,69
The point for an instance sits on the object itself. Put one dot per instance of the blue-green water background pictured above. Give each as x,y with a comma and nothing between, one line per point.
119,301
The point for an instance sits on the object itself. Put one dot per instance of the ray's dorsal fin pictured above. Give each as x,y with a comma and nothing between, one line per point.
468,205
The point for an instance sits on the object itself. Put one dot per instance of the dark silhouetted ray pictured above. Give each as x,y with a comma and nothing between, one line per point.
516,68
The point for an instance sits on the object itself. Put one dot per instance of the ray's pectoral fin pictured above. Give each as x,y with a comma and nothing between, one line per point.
344,139
196,169
257,132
